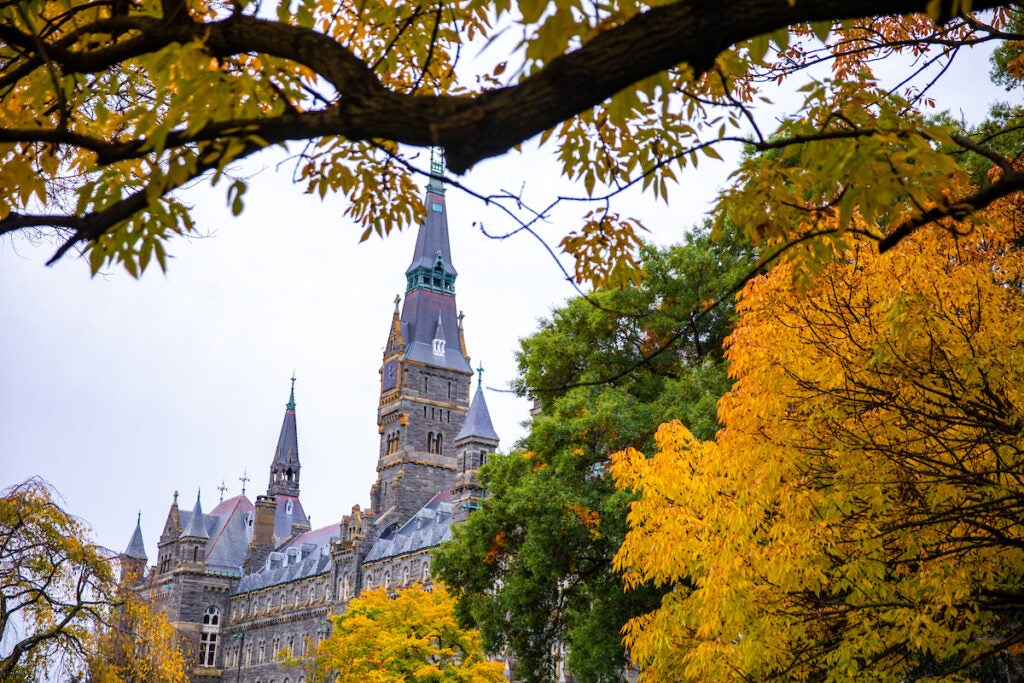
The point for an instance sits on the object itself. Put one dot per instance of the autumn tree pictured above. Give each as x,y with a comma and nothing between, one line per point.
136,644
858,515
410,636
533,566
55,584
111,108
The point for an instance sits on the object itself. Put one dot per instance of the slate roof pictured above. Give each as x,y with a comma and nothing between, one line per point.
229,528
230,532
136,548
283,520
430,526
420,313
195,527
478,420
306,555
433,236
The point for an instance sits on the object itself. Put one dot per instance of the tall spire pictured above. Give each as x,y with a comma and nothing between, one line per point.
429,313
284,469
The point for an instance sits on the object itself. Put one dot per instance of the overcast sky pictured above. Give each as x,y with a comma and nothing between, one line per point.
120,392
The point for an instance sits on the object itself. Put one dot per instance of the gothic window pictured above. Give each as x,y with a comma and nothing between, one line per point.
248,654
291,644
261,651
439,347
209,636
387,580
195,554
425,379
343,587
483,459
277,647
426,572
289,506
405,576
430,442
439,443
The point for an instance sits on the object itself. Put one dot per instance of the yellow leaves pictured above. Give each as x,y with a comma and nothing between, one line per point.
854,503
408,636
605,250
591,519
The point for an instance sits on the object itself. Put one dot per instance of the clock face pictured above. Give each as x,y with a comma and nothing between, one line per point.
390,377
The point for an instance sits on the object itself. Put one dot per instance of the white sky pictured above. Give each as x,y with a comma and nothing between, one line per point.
120,392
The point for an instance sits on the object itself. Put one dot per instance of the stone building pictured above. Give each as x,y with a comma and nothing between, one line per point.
248,581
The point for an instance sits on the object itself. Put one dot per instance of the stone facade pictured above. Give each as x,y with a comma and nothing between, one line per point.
249,583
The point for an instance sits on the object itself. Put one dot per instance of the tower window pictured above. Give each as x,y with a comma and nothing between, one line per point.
289,506
439,347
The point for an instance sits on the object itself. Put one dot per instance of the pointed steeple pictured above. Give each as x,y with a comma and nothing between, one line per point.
136,548
478,420
284,470
197,524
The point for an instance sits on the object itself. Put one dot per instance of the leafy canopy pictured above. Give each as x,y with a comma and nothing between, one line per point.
858,514
533,566
109,109
62,613
411,636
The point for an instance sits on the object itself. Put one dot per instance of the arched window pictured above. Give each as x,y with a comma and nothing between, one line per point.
387,580
426,572
290,505
439,443
430,442
209,636
405,576
261,652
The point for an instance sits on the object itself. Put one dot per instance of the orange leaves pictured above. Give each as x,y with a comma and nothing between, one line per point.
497,547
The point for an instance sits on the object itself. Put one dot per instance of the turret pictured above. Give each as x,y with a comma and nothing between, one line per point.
133,559
475,442
193,540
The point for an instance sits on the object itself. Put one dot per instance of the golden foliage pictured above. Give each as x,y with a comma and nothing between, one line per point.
858,514
408,637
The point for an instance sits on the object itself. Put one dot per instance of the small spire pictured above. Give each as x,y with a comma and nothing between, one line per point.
136,548
244,478
480,377
291,399
222,488
197,523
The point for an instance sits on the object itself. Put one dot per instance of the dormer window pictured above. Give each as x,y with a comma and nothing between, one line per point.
439,347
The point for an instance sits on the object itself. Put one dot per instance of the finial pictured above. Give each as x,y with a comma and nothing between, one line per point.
198,494
480,377
222,488
436,183
398,300
244,478
138,519
175,498
461,316
291,399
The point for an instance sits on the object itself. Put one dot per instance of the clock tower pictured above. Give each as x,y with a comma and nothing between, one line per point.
425,377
